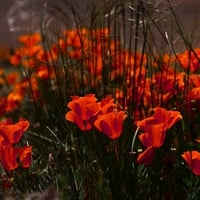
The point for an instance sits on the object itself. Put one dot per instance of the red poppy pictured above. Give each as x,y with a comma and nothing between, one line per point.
83,111
192,158
111,124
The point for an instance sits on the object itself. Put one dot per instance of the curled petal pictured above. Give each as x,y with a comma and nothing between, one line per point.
192,158
8,157
147,156
25,156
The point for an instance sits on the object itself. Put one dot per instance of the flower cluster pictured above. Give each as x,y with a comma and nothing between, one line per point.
108,89
155,128
86,112
11,156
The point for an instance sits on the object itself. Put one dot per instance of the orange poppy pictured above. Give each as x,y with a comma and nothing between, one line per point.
14,100
168,117
154,137
189,60
151,140
15,59
192,158
25,156
12,133
83,111
111,124
107,105
147,156
161,115
30,39
8,157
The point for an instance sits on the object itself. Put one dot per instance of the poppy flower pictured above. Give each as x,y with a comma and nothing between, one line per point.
192,158
25,156
30,39
111,124
12,133
15,59
147,156
14,100
155,128
107,105
83,111
167,117
8,157
154,137
11,156
151,140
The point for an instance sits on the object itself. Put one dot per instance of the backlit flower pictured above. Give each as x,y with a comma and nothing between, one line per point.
82,111
111,124
8,157
12,133
155,128
147,156
192,158
25,156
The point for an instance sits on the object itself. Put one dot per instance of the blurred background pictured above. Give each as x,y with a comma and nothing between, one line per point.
23,16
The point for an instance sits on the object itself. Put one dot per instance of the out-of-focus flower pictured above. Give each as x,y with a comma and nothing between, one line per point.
30,39
192,158
14,100
189,60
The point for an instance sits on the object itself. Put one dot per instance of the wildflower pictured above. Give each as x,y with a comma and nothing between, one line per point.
147,156
189,60
161,115
192,158
10,155
25,156
83,111
30,39
107,105
151,140
111,124
155,128
12,133
14,100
